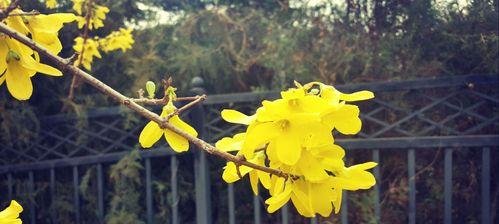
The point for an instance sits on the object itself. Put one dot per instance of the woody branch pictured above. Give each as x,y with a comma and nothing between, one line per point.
65,65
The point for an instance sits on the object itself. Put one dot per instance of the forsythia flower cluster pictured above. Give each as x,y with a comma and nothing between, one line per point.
121,39
18,63
293,134
10,215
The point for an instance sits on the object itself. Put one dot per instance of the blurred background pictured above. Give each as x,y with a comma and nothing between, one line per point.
433,127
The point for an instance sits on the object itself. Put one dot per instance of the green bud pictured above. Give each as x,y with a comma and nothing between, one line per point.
314,91
151,89
12,55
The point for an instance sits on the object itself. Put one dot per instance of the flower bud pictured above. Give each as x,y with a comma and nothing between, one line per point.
150,88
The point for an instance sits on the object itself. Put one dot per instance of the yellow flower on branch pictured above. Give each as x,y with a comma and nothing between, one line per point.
19,66
293,134
87,51
97,17
152,132
51,4
44,29
121,39
10,215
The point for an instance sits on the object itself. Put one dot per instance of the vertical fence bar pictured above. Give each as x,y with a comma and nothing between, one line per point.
285,214
486,186
377,187
448,186
31,189
10,186
257,210
201,166
52,195
76,194
174,182
100,193
344,208
149,191
232,207
411,167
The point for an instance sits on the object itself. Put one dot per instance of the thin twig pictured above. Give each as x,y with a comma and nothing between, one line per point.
187,106
117,96
5,13
88,16
32,13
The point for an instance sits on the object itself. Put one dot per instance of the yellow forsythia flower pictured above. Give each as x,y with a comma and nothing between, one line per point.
44,29
97,17
152,132
10,215
121,39
77,6
86,56
294,134
18,62
51,4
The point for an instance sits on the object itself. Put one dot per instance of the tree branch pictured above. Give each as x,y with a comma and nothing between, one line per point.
63,64
5,13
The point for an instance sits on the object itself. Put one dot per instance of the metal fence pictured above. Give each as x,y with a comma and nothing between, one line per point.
452,113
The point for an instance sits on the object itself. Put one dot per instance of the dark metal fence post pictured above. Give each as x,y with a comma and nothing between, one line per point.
201,167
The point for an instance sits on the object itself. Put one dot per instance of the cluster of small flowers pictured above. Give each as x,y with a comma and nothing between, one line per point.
18,63
294,135
89,48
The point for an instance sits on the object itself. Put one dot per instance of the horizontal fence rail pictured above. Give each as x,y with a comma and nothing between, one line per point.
449,113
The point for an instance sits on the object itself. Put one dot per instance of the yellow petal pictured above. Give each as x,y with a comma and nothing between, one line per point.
302,208
254,181
150,134
346,119
229,144
288,148
277,184
301,200
321,203
3,55
337,201
234,116
177,142
230,172
11,214
277,201
257,135
357,96
264,179
311,168
30,63
177,122
18,81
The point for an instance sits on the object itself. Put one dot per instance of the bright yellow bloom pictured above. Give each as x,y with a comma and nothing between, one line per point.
121,39
231,174
44,29
18,63
77,4
86,56
10,215
97,17
152,132
352,178
293,134
19,66
51,4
